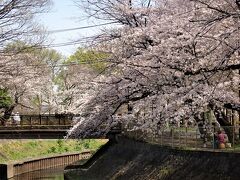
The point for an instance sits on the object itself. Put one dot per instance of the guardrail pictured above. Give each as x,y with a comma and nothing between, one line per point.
13,169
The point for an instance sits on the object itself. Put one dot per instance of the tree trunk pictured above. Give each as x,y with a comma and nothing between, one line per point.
7,114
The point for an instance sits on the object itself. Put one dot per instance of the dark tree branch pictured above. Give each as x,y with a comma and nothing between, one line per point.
204,70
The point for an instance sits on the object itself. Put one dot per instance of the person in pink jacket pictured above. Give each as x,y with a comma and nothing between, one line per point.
222,138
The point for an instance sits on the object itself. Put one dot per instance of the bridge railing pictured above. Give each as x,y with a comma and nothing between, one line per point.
42,120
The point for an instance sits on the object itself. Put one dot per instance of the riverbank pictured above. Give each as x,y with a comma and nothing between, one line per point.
14,169
129,159
15,150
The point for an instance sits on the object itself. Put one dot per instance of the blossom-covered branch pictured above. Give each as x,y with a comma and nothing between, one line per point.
169,68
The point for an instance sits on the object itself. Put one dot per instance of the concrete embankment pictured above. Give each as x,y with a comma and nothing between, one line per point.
129,159
13,169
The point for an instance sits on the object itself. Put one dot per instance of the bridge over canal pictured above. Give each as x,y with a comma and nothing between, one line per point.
43,127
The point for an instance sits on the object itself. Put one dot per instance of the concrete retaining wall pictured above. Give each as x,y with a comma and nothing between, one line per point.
133,160
10,170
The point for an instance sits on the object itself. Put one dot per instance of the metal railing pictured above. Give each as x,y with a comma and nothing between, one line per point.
41,120
191,137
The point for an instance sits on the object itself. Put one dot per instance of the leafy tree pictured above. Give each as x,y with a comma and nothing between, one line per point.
5,99
93,59
6,105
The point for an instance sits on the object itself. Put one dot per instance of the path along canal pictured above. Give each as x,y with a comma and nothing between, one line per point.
46,174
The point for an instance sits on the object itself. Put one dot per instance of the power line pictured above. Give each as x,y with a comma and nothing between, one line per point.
71,43
57,65
78,28
3,71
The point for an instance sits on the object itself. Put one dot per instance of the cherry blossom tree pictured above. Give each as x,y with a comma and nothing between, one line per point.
51,60
17,21
23,76
17,24
169,59
76,81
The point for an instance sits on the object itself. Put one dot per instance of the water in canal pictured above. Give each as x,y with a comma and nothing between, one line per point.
49,174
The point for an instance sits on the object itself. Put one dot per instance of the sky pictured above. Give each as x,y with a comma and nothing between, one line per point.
64,14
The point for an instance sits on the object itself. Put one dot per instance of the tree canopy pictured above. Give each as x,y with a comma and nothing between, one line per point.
76,77
17,21
173,58
93,59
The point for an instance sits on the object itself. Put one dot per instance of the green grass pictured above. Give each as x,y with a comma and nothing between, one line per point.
25,149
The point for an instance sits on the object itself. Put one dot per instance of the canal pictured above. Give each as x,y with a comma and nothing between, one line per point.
47,174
